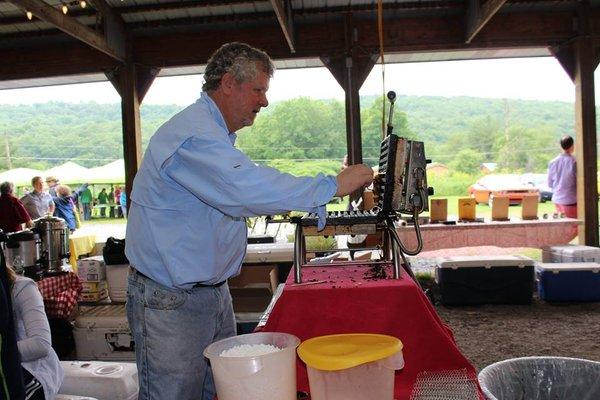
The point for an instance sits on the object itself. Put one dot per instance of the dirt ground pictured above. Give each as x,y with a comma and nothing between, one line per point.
491,333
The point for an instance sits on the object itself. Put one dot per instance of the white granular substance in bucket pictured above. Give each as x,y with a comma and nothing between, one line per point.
249,350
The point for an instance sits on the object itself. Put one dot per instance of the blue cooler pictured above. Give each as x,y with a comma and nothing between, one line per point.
576,282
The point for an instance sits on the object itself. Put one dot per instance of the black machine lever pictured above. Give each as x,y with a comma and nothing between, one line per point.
391,95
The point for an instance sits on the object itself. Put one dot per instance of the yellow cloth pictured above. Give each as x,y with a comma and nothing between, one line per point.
80,245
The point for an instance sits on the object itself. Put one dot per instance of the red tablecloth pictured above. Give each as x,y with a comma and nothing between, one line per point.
349,303
60,294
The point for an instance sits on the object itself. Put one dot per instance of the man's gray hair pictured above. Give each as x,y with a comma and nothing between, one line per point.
6,187
240,60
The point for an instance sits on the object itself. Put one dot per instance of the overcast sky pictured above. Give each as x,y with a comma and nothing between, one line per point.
526,78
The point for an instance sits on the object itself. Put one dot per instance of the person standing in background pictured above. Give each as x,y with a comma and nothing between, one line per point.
562,179
118,212
123,203
86,202
38,202
65,204
102,201
52,182
12,213
111,202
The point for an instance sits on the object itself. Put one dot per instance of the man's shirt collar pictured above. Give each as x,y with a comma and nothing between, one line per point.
217,115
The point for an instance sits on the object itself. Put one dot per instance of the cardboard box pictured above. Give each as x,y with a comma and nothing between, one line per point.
91,269
91,287
466,209
500,208
252,290
438,210
529,206
94,296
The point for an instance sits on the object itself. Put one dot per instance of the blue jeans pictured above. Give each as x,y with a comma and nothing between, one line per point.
171,328
87,211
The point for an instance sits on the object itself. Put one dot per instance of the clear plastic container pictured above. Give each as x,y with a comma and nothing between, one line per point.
541,378
266,377
100,380
352,366
373,380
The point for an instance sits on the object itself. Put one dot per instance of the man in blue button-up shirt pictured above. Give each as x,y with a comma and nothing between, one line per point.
187,234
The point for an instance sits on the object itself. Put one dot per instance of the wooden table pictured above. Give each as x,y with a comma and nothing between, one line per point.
535,233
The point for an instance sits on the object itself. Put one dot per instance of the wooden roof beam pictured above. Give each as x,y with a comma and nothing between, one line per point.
283,10
478,16
114,27
69,25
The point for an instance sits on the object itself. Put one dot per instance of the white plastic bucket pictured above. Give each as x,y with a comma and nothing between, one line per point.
266,377
373,380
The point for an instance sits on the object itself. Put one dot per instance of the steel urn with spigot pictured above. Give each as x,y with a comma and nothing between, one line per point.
54,234
22,253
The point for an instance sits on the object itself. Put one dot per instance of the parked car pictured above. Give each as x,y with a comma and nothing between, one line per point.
501,185
540,181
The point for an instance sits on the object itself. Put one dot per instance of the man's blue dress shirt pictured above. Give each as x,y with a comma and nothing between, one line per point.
191,196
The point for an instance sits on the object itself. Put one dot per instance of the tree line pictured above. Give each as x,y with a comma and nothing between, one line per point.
304,135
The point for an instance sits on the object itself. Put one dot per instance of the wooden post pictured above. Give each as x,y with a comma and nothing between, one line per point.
132,82
579,58
585,144
350,70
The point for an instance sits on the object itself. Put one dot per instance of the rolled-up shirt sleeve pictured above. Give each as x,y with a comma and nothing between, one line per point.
225,178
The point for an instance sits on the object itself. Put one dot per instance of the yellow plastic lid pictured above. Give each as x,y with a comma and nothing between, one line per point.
336,352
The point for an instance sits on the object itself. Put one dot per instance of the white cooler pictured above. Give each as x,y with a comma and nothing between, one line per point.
99,380
102,333
570,254
116,275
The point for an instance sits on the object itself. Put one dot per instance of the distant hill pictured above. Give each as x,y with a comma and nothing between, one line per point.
436,118
47,134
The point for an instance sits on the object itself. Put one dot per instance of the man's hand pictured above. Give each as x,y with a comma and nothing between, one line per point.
353,178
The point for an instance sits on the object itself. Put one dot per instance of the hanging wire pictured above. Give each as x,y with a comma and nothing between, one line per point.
382,56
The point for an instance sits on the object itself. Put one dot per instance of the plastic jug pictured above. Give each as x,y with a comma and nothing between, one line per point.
269,376
352,366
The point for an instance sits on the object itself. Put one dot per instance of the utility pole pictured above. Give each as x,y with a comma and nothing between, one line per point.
7,146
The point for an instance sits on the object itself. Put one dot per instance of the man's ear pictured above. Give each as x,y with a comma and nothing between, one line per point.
227,83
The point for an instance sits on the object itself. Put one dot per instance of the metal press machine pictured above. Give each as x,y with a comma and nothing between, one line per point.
400,188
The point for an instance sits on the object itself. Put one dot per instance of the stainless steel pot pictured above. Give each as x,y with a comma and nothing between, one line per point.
22,250
54,234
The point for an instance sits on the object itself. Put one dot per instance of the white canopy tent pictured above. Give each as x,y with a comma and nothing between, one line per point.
20,176
69,172
113,172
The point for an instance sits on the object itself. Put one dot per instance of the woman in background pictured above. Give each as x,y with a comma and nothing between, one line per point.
123,202
42,372
65,204
12,213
